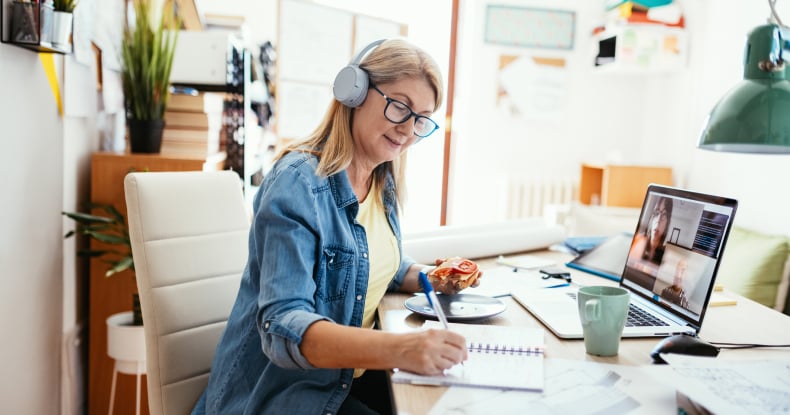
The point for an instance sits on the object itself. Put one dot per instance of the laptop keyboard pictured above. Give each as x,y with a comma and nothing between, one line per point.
638,317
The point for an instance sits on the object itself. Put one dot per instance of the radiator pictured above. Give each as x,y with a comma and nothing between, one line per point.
528,197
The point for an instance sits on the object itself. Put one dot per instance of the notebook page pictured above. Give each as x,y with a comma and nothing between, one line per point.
499,357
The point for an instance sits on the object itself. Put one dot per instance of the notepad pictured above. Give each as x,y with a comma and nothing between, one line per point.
499,357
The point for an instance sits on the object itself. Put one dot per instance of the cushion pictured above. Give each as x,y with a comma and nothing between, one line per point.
753,264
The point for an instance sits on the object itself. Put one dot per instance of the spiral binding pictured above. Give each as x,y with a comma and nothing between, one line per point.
504,349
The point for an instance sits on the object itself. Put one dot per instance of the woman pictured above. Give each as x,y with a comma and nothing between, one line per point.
675,293
324,247
651,242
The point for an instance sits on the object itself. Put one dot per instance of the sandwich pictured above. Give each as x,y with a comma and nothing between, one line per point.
460,272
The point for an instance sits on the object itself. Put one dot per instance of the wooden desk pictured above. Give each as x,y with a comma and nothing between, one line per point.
746,322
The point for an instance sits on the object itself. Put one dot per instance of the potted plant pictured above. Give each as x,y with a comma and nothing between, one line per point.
61,22
110,228
147,52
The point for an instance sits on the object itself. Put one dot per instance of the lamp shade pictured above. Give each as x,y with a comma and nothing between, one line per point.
754,116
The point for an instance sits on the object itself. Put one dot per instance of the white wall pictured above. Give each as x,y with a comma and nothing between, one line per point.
31,300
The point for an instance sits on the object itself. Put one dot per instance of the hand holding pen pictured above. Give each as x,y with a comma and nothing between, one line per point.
433,300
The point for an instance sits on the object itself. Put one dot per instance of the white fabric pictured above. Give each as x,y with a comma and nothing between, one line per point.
189,242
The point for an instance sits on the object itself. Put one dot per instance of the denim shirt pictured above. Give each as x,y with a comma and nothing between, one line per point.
307,262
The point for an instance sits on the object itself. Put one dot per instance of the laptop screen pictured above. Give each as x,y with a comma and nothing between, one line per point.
677,248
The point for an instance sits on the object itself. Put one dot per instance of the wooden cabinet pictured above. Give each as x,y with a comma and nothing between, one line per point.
112,295
618,185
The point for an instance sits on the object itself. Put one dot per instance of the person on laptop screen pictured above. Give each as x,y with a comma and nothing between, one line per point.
675,293
651,238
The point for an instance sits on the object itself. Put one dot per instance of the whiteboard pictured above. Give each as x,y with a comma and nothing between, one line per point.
369,29
303,105
315,42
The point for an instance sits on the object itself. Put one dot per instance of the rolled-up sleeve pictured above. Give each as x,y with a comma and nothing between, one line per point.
281,338
405,263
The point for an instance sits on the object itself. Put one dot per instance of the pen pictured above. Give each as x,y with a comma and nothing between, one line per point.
433,300
565,284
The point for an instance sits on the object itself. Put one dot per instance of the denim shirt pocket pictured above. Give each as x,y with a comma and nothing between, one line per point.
337,265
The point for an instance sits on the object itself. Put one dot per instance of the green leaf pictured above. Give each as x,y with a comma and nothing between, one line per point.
87,217
122,265
92,253
110,239
110,230
147,56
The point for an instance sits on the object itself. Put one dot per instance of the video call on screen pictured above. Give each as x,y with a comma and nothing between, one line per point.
677,274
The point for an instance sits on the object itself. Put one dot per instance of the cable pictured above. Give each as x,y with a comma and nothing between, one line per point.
725,345
775,15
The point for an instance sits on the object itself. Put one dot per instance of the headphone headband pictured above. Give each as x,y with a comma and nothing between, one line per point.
357,59
351,83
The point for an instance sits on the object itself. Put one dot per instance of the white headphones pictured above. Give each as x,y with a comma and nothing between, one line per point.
351,83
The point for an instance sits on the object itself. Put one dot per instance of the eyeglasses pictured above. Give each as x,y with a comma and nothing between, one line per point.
563,276
398,113
661,213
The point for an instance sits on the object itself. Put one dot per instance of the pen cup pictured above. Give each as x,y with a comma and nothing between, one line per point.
602,311
25,22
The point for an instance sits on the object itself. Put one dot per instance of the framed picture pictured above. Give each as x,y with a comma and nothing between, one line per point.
530,27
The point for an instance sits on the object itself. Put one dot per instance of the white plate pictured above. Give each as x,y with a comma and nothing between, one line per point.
458,307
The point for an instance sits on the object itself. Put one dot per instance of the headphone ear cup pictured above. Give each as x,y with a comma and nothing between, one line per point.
351,86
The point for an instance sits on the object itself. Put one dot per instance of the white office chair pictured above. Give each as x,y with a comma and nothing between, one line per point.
189,242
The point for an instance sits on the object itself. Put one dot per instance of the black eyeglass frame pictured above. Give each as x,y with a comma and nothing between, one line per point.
410,115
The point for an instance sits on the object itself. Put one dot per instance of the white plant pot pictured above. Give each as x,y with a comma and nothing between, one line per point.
61,29
126,343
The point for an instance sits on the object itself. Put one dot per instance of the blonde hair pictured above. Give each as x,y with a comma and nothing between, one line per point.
331,141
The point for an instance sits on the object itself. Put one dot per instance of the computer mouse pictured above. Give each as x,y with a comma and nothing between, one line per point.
683,344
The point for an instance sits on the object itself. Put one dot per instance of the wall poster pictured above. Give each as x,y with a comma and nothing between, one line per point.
529,27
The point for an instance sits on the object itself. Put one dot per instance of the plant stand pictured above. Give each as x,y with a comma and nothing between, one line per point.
126,345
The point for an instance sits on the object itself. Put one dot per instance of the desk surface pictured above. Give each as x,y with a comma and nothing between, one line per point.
746,322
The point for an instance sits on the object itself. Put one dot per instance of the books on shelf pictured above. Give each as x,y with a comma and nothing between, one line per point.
193,120
191,135
499,357
634,12
208,102
191,141
193,124
187,149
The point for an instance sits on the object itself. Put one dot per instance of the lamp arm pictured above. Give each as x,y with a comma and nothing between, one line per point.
774,15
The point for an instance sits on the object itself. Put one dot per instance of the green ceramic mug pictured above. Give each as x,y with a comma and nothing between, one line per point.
602,311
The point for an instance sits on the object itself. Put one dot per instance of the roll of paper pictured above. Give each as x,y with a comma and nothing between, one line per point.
481,241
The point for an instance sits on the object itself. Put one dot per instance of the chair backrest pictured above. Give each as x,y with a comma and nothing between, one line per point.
189,242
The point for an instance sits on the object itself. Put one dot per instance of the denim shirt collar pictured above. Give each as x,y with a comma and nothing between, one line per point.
340,186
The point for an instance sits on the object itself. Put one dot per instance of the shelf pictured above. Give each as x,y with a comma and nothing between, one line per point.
236,89
641,48
40,47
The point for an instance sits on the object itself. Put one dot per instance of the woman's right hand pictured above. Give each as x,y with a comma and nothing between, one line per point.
430,352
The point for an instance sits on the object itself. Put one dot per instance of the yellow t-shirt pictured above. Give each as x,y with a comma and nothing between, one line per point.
383,255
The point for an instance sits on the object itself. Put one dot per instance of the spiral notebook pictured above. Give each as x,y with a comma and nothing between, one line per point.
499,357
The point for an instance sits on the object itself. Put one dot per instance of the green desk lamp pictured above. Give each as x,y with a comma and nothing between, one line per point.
754,116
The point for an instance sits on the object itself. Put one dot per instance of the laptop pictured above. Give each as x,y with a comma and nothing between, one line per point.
670,268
